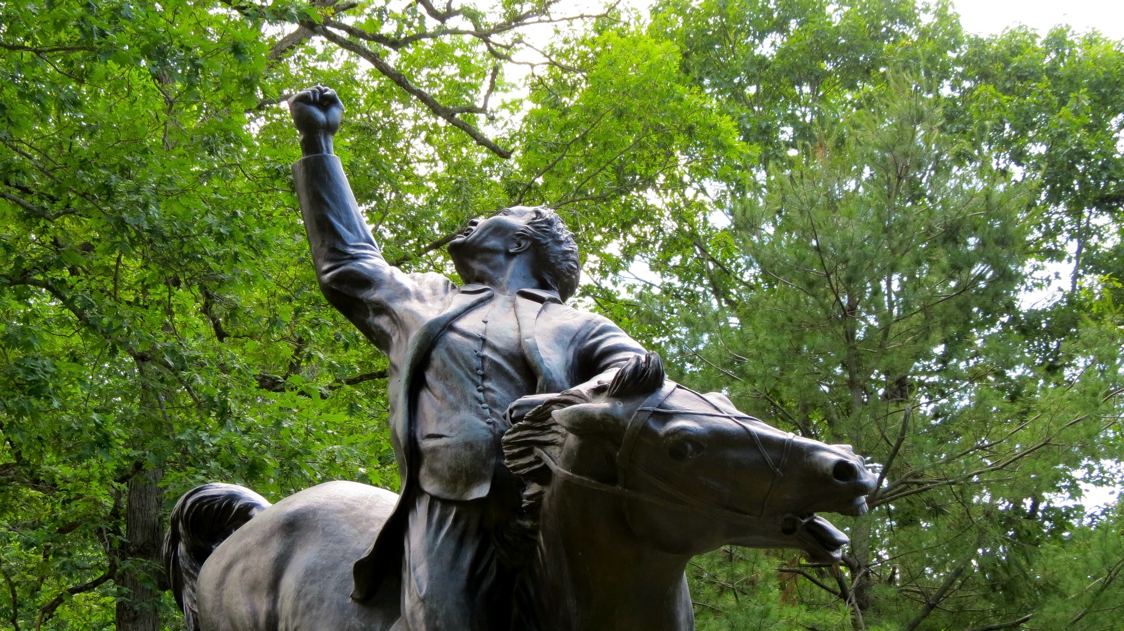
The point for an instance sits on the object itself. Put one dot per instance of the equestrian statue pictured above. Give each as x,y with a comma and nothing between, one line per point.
553,478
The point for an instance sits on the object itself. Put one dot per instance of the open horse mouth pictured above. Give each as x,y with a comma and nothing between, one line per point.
822,541
856,508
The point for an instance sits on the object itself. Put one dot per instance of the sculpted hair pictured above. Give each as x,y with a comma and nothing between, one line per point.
556,253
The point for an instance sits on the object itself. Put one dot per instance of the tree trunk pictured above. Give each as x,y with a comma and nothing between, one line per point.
858,595
859,565
140,567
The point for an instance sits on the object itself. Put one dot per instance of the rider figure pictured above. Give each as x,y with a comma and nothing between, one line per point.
459,357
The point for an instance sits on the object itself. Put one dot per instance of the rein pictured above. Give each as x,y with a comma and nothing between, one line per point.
678,499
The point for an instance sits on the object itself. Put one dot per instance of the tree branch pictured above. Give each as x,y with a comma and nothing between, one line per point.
358,379
299,36
33,209
288,43
390,72
84,318
561,155
1003,625
208,309
45,49
897,445
569,199
48,610
275,383
847,594
892,493
15,619
804,429
1110,576
440,243
440,16
931,603
808,576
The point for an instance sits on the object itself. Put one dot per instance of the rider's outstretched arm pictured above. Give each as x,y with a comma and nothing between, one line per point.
350,267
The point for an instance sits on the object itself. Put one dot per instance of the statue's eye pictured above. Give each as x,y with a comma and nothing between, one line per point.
684,449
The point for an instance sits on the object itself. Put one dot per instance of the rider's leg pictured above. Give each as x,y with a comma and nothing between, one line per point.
453,580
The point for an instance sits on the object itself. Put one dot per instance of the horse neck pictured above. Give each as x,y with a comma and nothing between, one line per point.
591,572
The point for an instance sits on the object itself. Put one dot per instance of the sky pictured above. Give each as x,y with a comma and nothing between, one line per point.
987,17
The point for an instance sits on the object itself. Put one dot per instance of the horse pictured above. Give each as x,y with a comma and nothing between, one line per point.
623,485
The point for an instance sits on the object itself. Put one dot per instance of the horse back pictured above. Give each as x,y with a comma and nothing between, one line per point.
289,568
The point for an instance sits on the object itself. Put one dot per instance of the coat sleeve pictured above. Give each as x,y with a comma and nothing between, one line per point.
353,275
602,348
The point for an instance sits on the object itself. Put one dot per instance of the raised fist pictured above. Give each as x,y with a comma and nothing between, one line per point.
316,113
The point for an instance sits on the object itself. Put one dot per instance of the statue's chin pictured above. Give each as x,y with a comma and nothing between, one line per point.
456,249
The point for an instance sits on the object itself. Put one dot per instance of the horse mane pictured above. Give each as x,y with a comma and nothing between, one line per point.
516,542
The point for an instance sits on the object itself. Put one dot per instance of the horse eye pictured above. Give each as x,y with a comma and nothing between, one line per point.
684,449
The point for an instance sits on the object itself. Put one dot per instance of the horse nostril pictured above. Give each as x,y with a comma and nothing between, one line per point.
845,471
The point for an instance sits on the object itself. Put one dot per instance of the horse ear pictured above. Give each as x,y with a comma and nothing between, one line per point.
589,418
722,401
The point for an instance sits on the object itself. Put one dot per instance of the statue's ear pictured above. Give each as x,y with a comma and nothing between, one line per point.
590,418
519,243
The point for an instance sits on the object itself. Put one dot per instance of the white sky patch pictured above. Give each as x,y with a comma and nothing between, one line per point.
1097,498
719,220
1094,498
1049,282
988,17
640,272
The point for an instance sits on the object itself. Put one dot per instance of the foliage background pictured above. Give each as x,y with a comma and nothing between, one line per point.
859,222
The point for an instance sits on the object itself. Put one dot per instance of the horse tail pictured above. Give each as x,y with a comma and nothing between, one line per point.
202,519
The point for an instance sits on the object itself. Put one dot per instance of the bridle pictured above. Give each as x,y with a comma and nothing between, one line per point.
674,498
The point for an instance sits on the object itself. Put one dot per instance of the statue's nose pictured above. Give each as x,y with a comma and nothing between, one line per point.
849,470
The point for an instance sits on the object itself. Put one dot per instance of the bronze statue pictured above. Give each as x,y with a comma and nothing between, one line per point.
613,477
459,356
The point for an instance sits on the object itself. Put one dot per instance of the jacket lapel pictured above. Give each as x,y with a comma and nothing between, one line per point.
528,304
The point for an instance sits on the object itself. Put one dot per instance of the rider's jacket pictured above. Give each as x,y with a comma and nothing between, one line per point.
445,444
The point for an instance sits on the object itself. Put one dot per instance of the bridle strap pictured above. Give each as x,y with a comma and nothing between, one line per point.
685,501
640,417
639,420
590,483
779,469
738,419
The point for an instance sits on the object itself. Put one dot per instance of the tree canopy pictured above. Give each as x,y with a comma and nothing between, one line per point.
859,222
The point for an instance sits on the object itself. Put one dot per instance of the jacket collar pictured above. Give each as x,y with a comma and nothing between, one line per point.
474,288
541,296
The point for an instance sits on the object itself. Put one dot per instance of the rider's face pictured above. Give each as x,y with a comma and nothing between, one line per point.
485,241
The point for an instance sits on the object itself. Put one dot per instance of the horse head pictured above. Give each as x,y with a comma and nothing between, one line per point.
692,471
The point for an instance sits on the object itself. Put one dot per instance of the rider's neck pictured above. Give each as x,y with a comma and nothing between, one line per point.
507,279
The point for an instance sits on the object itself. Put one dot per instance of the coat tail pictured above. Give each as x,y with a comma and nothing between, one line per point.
379,570
202,519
